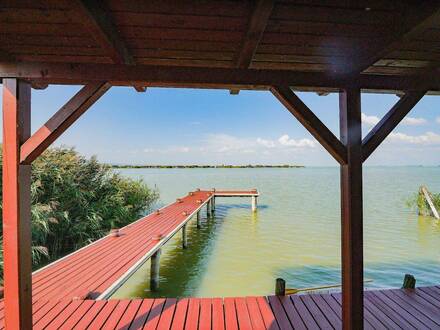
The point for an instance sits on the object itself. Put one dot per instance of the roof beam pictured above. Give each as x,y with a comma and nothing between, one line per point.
200,77
430,16
391,119
311,122
256,26
61,121
97,20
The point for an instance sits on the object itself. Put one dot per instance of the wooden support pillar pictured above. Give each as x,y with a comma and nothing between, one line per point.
351,210
199,220
254,203
184,237
154,270
213,204
16,206
208,208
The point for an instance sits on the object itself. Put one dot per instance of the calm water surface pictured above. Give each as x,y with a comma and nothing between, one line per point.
294,235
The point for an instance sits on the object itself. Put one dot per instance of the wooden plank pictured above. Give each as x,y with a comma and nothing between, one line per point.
116,314
142,314
192,315
87,319
43,321
205,318
292,313
61,121
59,320
386,125
256,26
16,206
351,210
166,318
319,312
307,316
218,314
129,314
279,313
311,122
97,20
77,315
154,315
104,314
180,314
326,309
254,313
419,303
267,314
230,314
428,198
244,321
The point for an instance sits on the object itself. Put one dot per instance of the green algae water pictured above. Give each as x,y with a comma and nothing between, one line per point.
295,233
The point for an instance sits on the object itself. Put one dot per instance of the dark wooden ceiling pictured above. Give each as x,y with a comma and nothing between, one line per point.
389,37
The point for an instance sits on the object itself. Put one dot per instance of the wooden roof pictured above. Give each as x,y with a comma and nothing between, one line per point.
334,39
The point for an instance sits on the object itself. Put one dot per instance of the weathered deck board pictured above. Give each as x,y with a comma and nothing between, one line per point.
405,308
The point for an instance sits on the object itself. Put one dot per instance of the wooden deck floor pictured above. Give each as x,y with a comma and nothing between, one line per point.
384,309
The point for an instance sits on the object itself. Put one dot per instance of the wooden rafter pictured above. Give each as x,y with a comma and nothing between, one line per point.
61,121
430,17
256,26
97,20
199,77
386,125
311,122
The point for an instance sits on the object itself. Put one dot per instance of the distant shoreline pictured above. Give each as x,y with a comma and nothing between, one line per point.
203,166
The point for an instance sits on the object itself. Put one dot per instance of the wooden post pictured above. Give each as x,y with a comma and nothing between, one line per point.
208,208
409,282
254,203
351,210
213,204
280,287
16,206
199,220
184,237
154,270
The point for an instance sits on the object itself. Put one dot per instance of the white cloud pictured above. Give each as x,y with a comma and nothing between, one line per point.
266,143
429,138
286,141
437,120
369,120
409,121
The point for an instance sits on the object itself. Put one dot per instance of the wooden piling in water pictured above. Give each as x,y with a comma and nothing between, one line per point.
280,287
254,203
184,237
409,282
427,195
199,220
208,208
154,270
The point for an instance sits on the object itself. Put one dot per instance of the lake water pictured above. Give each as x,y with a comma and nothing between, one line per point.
295,233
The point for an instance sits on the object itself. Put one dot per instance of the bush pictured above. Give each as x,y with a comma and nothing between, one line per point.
77,200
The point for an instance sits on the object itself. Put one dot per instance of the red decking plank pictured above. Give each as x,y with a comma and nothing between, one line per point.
218,314
116,314
412,309
330,314
244,321
254,313
369,318
77,315
192,316
59,320
142,314
292,313
384,316
279,313
104,314
434,302
45,309
306,315
432,290
180,314
166,318
314,310
154,315
267,314
91,314
205,314
409,317
127,318
415,299
40,323
230,314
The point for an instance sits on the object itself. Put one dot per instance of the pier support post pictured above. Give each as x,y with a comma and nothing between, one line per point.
184,237
254,203
351,210
154,270
213,204
208,208
199,220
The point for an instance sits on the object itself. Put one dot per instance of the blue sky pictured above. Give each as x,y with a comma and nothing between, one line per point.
182,126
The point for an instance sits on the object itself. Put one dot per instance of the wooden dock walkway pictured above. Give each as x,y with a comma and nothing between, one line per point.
384,309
